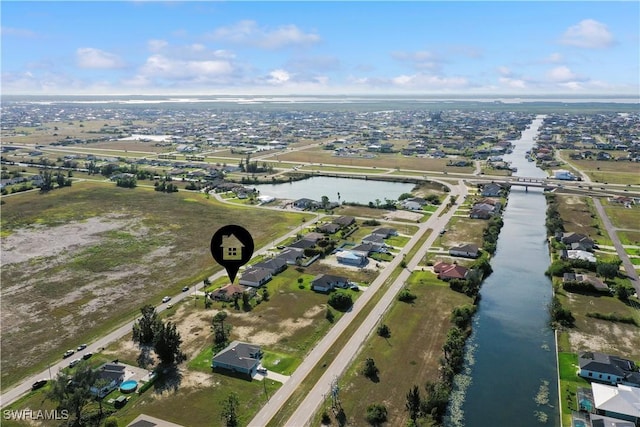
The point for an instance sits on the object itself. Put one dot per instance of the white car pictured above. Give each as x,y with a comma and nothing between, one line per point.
166,299
262,370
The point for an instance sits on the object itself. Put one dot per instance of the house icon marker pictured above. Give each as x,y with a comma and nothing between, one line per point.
231,248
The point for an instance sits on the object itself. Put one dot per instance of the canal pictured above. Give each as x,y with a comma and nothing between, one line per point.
510,377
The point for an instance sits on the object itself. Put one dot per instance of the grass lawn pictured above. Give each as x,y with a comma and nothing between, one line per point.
629,237
579,216
401,366
154,245
621,217
569,383
623,172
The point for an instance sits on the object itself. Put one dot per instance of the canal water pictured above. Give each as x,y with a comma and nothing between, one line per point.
350,190
510,377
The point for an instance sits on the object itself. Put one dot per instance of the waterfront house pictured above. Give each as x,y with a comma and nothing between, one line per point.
446,271
328,282
608,368
305,203
595,282
467,251
491,190
238,357
621,402
577,254
577,241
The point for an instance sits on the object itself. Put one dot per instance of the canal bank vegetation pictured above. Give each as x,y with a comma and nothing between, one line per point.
437,323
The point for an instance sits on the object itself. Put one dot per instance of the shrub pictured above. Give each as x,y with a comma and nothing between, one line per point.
376,414
340,301
406,296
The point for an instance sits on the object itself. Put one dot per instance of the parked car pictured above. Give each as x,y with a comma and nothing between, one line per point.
81,347
74,362
68,353
166,299
86,356
354,287
261,369
185,289
38,384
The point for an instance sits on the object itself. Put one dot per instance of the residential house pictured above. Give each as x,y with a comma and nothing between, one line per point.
291,255
113,375
364,249
230,292
577,254
412,206
491,190
385,232
274,265
376,240
329,228
482,211
255,277
238,357
621,401
446,271
313,237
608,368
302,244
577,241
597,284
344,221
305,203
602,421
468,250
351,258
328,282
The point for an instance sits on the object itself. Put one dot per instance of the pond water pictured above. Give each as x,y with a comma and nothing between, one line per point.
336,189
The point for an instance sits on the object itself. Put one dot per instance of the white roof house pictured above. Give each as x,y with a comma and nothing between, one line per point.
620,399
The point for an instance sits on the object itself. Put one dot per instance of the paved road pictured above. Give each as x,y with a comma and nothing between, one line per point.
626,262
11,395
311,402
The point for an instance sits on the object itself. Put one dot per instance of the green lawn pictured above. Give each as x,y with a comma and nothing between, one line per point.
569,383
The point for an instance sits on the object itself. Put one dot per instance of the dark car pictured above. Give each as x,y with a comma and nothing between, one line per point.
185,289
86,356
81,347
38,384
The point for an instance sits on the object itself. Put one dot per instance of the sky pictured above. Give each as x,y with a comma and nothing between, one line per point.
324,48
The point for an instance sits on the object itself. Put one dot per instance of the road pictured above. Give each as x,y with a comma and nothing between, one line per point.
11,395
626,263
308,407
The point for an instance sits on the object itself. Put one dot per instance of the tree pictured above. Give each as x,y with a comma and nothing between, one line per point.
608,270
376,414
111,422
230,410
340,301
265,294
330,316
246,301
144,330
384,331
324,200
47,181
370,370
220,330
167,344
73,392
60,179
413,403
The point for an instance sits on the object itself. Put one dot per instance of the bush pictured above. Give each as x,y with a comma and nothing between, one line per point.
384,331
376,414
340,301
406,296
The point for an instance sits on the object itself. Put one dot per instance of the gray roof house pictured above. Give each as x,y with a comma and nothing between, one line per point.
274,265
385,232
305,203
255,277
491,190
238,357
374,240
577,241
291,255
607,368
351,258
329,228
327,282
468,251
344,221
113,375
302,244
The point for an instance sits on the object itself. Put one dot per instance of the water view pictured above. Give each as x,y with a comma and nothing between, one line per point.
349,189
511,377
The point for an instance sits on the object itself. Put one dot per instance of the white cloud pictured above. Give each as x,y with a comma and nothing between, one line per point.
160,66
17,32
249,33
554,58
561,74
88,57
589,34
504,71
425,81
157,45
513,83
278,77
420,60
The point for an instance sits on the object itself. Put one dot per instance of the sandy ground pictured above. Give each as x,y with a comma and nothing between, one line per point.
403,215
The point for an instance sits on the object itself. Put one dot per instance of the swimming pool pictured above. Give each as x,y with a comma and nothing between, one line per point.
128,386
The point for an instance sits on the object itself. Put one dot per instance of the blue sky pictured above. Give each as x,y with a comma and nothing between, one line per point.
295,47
